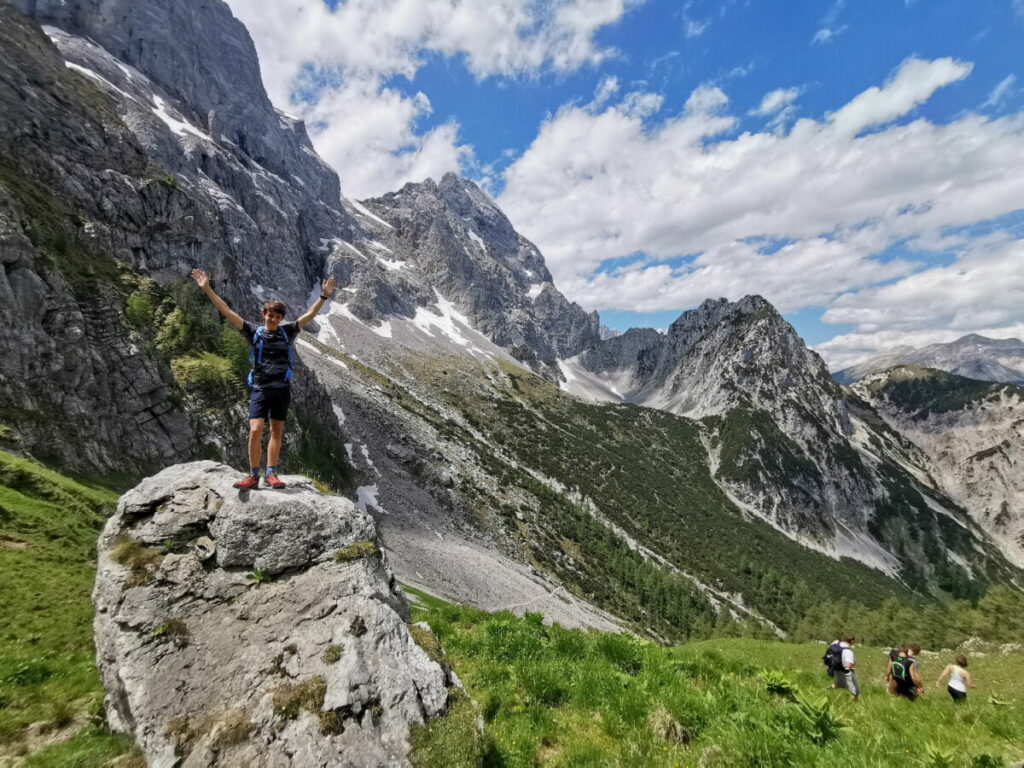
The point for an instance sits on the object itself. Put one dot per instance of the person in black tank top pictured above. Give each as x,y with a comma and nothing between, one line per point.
272,358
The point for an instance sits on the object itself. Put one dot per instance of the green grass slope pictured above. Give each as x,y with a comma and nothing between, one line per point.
555,697
48,529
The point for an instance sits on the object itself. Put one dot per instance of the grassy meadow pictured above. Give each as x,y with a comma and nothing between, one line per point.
555,697
49,686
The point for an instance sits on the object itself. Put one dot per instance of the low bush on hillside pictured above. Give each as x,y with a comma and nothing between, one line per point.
210,378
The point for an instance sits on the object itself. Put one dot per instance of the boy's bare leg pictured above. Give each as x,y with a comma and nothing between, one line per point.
274,444
255,441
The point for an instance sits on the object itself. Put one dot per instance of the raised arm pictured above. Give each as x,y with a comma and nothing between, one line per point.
326,291
203,281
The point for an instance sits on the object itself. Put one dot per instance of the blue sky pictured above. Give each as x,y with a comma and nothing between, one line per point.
871,197
753,47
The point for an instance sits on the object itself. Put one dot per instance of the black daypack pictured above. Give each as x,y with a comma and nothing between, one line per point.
833,658
901,670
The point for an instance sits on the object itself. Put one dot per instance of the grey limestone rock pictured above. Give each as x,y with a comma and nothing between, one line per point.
459,243
272,652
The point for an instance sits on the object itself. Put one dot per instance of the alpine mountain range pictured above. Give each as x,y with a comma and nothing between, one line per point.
491,426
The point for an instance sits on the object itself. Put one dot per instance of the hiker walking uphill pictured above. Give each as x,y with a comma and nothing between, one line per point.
270,378
902,673
959,679
841,663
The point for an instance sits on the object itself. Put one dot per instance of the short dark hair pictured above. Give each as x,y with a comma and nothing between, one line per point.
849,639
914,648
277,307
961,660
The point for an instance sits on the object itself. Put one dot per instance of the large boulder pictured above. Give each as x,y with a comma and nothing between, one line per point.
259,628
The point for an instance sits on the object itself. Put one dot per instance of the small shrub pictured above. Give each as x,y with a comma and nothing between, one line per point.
208,376
141,561
289,701
937,757
174,630
331,654
778,684
356,551
257,576
819,722
666,728
232,727
426,640
453,740
139,312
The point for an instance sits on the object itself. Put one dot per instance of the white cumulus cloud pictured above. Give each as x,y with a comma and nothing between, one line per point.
352,50
801,216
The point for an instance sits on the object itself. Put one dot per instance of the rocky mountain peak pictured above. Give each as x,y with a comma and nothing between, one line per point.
455,240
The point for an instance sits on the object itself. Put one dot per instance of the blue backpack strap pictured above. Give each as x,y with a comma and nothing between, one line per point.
291,356
255,352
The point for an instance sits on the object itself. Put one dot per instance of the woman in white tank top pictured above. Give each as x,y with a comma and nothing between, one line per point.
959,679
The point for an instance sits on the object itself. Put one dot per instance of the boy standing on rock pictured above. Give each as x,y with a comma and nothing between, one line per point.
270,378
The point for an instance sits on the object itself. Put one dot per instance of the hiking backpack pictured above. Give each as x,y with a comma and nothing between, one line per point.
256,353
833,658
901,669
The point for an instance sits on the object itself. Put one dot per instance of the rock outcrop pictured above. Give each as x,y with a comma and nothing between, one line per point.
255,628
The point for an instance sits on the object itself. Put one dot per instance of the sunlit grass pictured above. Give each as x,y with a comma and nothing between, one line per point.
556,697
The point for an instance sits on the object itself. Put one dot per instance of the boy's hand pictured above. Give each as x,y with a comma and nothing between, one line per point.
327,289
201,278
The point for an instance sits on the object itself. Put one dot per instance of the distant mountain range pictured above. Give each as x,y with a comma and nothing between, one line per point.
971,356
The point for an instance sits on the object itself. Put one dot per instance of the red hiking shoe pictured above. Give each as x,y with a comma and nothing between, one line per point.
275,482
248,482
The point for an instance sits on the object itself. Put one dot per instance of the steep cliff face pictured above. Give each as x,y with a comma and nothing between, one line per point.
973,435
452,238
107,178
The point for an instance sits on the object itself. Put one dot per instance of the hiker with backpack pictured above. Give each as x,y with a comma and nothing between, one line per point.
902,674
272,361
959,679
832,661
840,660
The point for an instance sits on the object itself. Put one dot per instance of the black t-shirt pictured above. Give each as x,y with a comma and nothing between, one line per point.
270,373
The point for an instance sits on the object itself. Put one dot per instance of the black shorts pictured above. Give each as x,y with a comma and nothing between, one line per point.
956,695
269,403
905,692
